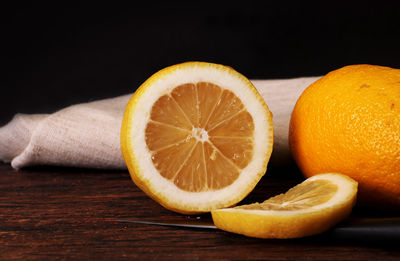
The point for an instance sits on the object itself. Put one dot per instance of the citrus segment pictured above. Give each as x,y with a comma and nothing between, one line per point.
222,171
309,208
238,125
237,149
192,175
186,97
159,135
166,110
208,96
168,160
195,149
227,106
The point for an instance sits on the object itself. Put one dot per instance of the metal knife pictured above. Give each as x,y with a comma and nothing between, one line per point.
376,230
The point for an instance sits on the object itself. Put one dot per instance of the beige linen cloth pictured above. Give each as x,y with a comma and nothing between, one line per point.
87,135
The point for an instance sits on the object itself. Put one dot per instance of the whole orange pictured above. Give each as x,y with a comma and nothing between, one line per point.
349,122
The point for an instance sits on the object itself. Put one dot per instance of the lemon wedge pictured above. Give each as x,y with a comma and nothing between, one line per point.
307,209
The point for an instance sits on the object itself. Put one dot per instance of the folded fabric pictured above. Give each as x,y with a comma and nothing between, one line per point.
87,135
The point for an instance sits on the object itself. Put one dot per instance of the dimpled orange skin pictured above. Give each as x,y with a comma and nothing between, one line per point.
349,122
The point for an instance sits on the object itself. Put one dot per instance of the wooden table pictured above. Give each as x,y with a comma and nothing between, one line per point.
66,213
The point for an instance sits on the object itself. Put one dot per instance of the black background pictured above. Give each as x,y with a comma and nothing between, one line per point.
58,54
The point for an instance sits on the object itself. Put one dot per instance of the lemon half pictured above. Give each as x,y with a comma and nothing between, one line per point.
196,137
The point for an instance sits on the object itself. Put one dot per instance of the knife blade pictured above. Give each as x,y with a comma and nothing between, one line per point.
380,230
189,223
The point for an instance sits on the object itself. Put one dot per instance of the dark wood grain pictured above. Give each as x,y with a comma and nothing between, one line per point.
65,213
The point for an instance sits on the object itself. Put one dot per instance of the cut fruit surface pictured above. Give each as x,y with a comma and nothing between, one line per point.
197,136
307,209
